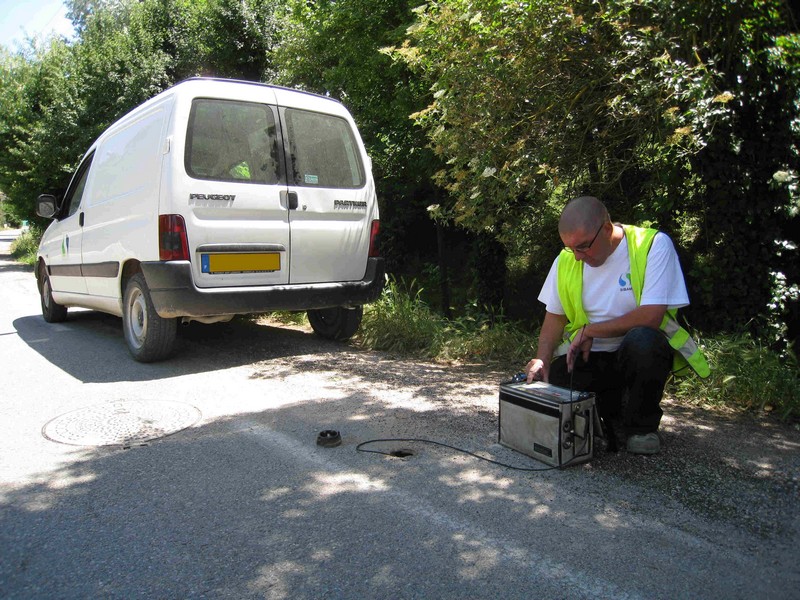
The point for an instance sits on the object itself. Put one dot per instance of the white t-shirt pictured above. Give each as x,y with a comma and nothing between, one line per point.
607,291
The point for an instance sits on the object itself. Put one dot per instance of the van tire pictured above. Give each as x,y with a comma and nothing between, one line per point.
149,336
51,310
338,323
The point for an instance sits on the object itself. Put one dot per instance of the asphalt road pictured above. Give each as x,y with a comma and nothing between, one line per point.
242,503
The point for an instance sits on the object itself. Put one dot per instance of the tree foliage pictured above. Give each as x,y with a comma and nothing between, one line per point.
59,96
234,38
335,48
33,124
685,115
670,116
64,95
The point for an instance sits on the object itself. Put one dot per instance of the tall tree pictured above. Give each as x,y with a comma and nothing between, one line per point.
58,97
34,123
746,262
238,38
336,47
64,94
649,104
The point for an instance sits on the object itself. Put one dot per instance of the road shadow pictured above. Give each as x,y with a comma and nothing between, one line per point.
8,236
14,267
8,263
249,507
90,346
204,515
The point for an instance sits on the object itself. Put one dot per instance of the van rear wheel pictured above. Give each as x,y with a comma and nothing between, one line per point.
149,336
51,310
338,323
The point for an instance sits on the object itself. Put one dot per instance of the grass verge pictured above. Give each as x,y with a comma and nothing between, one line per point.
745,375
401,322
24,248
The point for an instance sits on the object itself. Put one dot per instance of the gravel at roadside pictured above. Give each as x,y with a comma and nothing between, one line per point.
739,469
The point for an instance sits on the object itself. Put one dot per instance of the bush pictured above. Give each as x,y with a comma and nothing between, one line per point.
501,341
24,248
401,322
744,374
482,336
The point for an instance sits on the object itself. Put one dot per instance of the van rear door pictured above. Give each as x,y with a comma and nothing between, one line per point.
330,189
238,222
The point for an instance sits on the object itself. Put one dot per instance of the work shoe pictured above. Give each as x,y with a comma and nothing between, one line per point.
647,443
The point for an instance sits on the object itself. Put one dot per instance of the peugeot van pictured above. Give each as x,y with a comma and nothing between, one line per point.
212,199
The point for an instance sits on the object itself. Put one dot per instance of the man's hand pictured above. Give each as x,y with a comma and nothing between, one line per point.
536,370
549,338
581,344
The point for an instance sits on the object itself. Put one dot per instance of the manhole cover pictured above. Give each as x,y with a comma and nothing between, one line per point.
123,422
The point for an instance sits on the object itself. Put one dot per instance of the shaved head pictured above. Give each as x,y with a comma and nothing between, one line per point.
582,214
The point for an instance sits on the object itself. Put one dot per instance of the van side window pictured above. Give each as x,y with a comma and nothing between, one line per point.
72,199
232,141
324,151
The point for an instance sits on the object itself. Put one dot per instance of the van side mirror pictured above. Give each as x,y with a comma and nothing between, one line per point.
46,206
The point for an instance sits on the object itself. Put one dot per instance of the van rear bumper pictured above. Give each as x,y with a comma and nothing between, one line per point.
174,293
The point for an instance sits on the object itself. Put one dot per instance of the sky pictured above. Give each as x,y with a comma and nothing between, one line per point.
19,18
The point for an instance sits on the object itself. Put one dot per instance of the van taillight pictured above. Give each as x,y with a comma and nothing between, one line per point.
374,250
172,244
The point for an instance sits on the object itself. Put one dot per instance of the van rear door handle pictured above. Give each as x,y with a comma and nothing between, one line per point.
80,219
289,199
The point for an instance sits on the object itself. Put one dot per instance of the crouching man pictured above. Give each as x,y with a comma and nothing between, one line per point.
611,299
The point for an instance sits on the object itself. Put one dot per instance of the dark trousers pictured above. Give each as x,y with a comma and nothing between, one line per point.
628,383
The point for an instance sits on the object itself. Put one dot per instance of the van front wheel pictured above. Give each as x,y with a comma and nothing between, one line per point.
51,310
337,323
149,337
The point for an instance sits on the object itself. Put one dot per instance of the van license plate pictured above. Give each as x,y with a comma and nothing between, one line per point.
262,262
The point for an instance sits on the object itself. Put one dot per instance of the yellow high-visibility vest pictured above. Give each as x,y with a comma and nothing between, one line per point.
570,291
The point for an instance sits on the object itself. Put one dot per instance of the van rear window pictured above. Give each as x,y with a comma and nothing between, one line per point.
232,141
323,150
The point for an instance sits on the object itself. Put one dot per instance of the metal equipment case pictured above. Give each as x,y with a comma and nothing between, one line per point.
549,423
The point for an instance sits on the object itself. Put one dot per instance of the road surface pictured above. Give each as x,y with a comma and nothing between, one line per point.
230,496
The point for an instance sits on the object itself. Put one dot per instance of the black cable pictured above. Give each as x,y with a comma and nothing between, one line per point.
580,453
421,440
572,371
583,451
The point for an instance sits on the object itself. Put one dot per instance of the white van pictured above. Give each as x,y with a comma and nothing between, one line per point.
216,198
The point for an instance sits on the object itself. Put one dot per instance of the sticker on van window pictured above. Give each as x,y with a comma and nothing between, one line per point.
314,179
